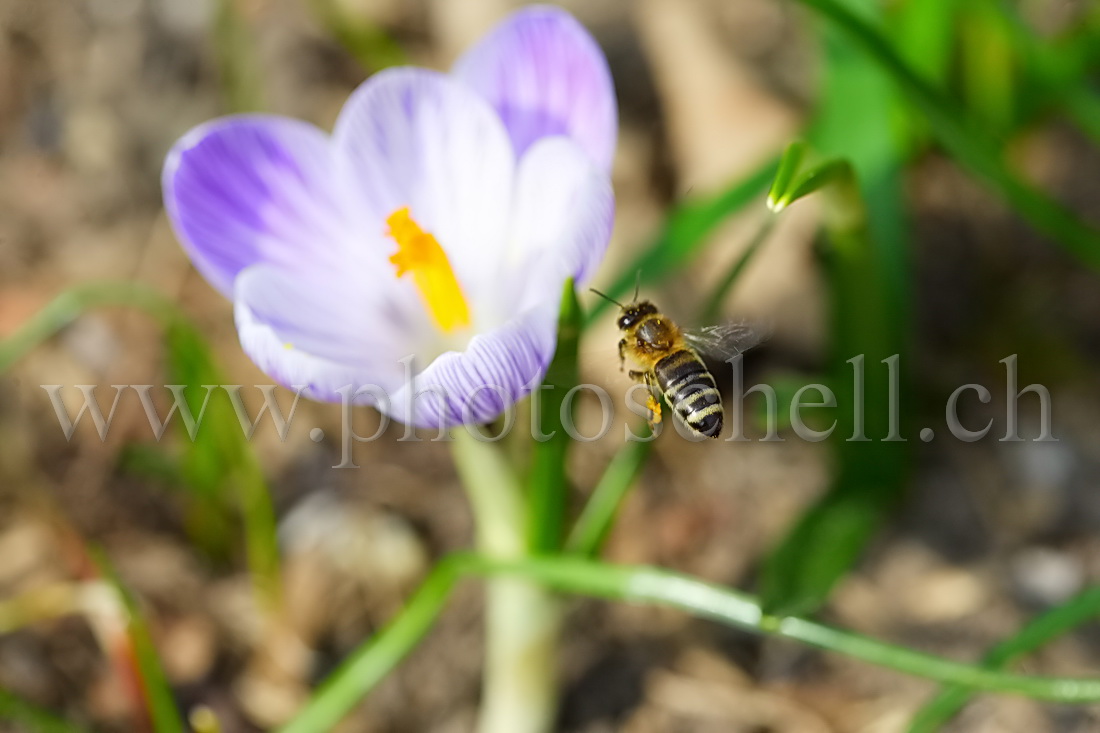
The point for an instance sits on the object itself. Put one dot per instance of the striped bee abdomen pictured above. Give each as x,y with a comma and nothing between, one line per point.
691,391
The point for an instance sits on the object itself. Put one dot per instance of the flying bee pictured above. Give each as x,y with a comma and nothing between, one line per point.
671,366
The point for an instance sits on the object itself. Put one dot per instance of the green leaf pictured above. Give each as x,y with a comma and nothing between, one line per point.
639,584
549,490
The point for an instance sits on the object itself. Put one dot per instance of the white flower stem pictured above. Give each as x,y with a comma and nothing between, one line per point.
522,619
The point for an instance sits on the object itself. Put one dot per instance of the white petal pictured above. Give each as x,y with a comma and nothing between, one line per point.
562,217
418,138
323,335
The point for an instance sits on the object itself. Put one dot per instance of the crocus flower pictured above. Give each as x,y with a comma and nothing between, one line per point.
439,221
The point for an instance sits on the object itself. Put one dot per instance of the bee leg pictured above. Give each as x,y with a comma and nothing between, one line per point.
654,411
622,355
652,403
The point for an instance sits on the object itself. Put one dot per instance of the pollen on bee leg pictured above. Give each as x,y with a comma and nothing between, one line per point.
654,410
419,253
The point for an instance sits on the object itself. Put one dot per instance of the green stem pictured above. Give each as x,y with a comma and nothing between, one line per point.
522,619
968,143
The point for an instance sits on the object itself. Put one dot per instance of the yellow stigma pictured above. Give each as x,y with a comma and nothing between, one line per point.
419,253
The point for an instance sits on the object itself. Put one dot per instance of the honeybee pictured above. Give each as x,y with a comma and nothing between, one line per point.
669,357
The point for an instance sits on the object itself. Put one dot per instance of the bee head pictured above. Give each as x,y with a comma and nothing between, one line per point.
635,312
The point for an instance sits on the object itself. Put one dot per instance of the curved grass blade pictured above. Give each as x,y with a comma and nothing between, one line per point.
867,274
220,455
365,41
382,653
160,702
965,141
238,66
789,165
707,600
1040,631
377,657
595,522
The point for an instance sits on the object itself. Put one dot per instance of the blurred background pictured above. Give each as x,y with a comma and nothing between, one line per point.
942,545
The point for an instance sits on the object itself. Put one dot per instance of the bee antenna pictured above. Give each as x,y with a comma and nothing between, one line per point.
607,297
637,283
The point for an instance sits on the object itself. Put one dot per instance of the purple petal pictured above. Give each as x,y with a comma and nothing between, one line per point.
243,190
475,386
545,75
418,138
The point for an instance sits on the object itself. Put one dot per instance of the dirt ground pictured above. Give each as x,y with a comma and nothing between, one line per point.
92,95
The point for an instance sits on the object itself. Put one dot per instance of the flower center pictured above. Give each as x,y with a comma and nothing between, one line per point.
418,252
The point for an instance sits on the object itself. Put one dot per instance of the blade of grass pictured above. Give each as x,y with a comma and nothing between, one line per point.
220,455
789,165
69,305
1041,630
684,233
988,64
160,701
965,141
548,485
599,513
638,584
372,661
595,522
1061,70
367,43
926,32
238,68
712,308
219,462
17,710
866,267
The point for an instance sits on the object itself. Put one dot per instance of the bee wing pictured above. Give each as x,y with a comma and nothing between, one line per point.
723,341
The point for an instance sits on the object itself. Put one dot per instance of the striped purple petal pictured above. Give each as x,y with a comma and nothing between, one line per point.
242,190
545,75
476,385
